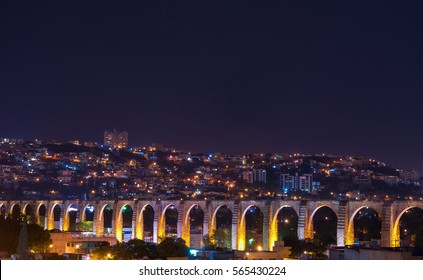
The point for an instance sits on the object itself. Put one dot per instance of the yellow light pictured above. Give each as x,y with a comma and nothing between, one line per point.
259,248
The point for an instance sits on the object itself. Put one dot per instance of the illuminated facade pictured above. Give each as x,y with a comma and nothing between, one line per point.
255,175
290,183
115,138
389,212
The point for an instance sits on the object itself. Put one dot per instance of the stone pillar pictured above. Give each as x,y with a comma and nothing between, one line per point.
206,220
8,210
34,214
235,220
117,221
50,215
45,225
157,214
266,224
139,222
96,219
114,222
302,221
186,222
179,225
64,217
80,207
389,237
273,226
212,218
134,220
341,225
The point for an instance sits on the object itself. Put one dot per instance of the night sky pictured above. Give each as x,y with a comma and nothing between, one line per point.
229,76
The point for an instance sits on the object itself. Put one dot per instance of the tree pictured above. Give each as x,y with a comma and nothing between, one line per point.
209,241
172,247
22,250
84,226
312,249
140,249
218,238
102,253
133,249
38,238
9,233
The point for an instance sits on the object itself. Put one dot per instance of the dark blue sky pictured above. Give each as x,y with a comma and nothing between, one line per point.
340,77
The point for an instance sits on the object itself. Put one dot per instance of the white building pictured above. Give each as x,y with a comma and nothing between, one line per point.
259,175
255,175
294,183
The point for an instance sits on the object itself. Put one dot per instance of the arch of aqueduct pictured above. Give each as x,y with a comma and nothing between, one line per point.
390,213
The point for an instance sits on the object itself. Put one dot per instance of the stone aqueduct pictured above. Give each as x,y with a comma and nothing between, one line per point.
389,212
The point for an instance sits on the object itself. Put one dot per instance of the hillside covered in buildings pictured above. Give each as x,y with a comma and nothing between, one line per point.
74,170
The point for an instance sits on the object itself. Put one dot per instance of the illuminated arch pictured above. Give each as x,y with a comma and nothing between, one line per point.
349,237
119,222
51,216
67,219
213,221
15,214
100,225
84,210
3,210
25,212
396,236
41,220
309,233
186,224
273,231
139,228
88,226
241,232
161,231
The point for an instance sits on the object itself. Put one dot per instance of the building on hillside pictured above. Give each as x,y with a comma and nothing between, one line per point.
296,182
116,139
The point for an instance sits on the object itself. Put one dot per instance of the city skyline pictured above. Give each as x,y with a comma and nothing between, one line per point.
317,77
100,142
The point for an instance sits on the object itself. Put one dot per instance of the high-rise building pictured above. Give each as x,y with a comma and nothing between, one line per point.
305,182
247,176
255,175
259,175
287,183
290,183
115,138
